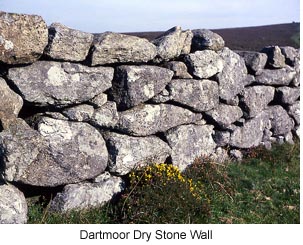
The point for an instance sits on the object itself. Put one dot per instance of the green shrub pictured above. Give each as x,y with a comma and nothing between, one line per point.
161,194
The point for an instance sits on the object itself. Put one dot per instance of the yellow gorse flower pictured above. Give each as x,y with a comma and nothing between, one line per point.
168,174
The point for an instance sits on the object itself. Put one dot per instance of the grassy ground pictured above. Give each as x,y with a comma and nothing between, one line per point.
263,188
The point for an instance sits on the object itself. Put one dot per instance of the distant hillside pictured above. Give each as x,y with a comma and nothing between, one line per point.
251,38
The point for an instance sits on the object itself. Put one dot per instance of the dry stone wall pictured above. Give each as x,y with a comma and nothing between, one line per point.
79,110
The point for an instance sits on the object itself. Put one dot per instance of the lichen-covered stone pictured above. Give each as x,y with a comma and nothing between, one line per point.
179,69
111,48
189,142
275,57
256,98
79,113
225,115
67,44
281,76
204,64
251,133
22,38
254,61
60,152
281,123
53,83
133,85
206,39
13,206
200,95
288,95
233,76
173,43
290,54
127,152
99,100
10,102
294,112
88,195
106,116
147,119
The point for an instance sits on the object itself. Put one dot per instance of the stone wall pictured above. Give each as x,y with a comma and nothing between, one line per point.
79,110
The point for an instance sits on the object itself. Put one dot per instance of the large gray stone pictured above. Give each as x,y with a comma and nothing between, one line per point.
111,48
232,79
127,153
251,133
173,43
133,85
52,83
206,39
288,95
200,95
13,206
106,116
275,57
290,54
86,195
189,142
281,123
10,102
60,152
225,115
281,76
179,69
67,44
254,61
256,98
147,119
204,64
22,38
294,112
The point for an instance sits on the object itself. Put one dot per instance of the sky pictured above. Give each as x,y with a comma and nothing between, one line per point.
157,15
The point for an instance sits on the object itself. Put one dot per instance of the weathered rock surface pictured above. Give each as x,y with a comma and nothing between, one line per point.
60,152
254,61
288,95
111,48
80,113
67,44
189,142
206,39
256,98
294,112
52,83
221,138
179,69
281,123
106,116
173,43
13,206
275,57
146,119
22,38
10,102
200,95
99,100
251,133
162,97
86,195
133,85
290,54
204,64
225,115
127,152
281,76
232,78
